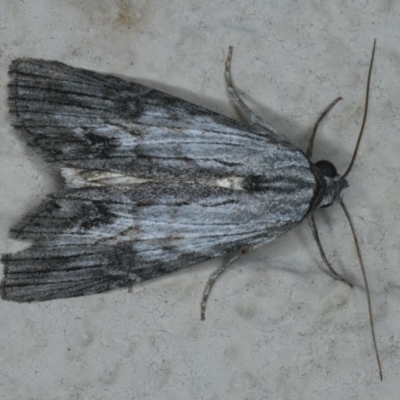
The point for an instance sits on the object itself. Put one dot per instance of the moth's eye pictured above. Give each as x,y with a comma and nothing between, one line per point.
327,168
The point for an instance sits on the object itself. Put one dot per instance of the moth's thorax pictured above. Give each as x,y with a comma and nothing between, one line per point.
332,190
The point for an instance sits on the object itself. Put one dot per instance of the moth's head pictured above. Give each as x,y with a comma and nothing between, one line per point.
334,183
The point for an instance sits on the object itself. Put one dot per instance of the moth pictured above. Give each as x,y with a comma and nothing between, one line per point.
153,183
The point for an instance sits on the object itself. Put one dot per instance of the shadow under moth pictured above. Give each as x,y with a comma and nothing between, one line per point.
153,183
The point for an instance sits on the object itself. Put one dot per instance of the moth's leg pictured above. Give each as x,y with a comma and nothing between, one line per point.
212,280
254,119
321,250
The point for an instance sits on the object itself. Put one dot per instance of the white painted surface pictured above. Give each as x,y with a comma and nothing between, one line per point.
277,326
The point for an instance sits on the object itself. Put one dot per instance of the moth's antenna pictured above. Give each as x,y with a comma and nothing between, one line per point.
312,220
365,113
371,320
321,117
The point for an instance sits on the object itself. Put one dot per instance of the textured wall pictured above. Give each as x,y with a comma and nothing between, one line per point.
278,327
